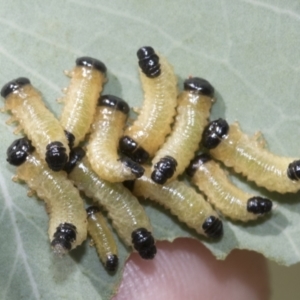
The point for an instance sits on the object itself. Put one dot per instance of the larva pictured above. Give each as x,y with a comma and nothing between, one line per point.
80,99
102,238
193,110
127,215
142,139
223,194
67,222
38,123
249,157
183,201
107,128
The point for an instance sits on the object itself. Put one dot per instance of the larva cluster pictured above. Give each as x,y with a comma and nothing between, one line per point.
168,131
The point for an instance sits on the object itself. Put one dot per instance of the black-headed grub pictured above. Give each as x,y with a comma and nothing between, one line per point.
250,158
231,201
39,124
148,132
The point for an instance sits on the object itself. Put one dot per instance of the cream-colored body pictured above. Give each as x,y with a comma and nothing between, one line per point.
192,116
62,199
183,201
249,157
102,237
123,208
102,148
80,100
38,123
222,193
156,115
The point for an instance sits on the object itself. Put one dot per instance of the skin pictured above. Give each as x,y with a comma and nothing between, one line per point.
185,269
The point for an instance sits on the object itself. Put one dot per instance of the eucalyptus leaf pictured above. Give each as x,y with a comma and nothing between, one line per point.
249,50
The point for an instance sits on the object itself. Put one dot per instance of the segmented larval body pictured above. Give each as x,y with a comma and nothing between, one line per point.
149,130
183,201
223,194
125,211
249,157
63,201
102,149
38,123
193,110
102,238
80,99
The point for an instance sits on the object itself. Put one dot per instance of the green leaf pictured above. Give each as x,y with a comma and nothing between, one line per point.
249,50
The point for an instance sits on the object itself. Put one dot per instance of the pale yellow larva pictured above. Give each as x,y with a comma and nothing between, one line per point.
102,149
249,157
127,214
39,124
183,201
143,138
223,194
80,99
102,238
67,216
193,110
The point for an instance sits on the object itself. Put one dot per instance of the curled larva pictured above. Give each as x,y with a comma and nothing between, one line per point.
249,157
128,216
102,238
107,128
38,123
143,138
223,194
67,222
80,99
183,201
193,110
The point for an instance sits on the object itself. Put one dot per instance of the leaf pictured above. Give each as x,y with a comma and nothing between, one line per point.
248,49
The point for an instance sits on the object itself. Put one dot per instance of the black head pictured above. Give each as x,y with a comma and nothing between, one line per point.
199,85
213,227
130,148
214,132
63,238
13,86
90,62
76,155
144,243
149,62
18,151
92,210
112,263
259,205
114,102
56,156
196,162
136,169
293,170
164,169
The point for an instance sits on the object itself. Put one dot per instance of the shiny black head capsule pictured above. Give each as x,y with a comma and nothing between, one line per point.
56,156
196,162
114,102
112,263
76,155
259,205
13,86
64,236
213,227
18,151
164,169
92,210
129,148
136,169
199,85
149,62
293,170
90,62
144,243
214,132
